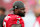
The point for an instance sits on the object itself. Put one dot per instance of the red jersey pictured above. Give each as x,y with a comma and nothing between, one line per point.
12,20
37,22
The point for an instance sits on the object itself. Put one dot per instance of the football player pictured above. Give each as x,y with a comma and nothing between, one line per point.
15,20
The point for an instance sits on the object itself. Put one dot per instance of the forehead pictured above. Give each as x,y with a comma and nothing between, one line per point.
1,11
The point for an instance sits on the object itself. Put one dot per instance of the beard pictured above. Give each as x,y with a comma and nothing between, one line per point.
21,14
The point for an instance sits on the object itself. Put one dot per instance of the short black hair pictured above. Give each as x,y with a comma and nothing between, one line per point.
3,9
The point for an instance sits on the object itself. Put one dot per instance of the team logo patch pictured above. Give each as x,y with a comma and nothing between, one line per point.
18,22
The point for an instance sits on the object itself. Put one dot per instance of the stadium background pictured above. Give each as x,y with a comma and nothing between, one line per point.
9,3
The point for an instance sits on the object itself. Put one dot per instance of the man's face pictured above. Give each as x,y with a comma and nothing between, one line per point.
37,12
20,12
1,12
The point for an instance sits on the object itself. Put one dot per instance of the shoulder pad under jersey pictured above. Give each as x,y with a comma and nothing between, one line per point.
11,16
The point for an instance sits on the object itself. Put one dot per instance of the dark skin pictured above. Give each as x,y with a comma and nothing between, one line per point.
2,12
20,11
